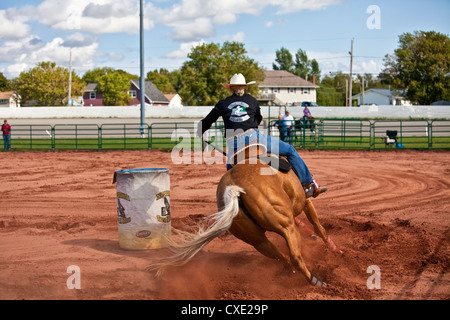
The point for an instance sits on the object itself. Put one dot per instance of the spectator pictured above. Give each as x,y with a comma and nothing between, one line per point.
288,122
6,129
281,128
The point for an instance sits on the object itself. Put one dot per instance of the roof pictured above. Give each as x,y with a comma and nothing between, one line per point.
90,87
384,92
6,94
170,96
151,91
283,78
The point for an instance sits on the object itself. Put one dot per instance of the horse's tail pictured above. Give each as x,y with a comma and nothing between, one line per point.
192,243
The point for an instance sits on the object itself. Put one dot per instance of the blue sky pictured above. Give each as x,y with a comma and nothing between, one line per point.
106,32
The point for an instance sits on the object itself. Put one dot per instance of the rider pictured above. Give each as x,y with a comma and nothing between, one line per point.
306,113
241,112
307,116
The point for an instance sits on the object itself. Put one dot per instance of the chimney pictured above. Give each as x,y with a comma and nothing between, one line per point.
314,79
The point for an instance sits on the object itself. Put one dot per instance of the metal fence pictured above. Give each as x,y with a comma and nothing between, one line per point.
323,134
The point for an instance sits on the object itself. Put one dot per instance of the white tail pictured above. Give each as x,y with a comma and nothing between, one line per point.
193,242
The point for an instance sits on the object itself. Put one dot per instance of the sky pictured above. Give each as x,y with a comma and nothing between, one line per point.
106,33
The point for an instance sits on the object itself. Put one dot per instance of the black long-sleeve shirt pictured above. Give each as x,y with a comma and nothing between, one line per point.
237,112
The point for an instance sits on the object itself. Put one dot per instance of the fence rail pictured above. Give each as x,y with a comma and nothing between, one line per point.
321,134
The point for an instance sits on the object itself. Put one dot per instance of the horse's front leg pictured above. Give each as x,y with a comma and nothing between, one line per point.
313,217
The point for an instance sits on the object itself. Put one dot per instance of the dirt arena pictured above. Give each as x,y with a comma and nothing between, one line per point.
385,209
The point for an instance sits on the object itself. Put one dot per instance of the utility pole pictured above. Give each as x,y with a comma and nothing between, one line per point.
363,80
346,92
350,80
142,82
69,101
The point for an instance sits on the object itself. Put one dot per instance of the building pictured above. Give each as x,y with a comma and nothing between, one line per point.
152,95
380,97
281,87
174,100
91,97
9,99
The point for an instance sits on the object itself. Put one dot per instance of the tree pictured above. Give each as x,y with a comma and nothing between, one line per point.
114,87
48,85
332,90
419,65
209,66
161,80
302,67
5,84
284,60
112,84
92,76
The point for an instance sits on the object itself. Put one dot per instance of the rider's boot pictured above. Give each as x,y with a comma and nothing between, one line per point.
313,190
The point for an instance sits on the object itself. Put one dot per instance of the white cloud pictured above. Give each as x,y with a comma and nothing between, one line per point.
25,55
289,6
184,49
194,19
98,16
340,61
192,29
79,40
12,26
239,37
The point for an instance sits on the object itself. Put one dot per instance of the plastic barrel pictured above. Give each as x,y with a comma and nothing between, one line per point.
143,207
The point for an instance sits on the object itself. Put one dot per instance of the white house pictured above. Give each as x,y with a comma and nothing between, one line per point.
380,97
9,99
174,100
281,87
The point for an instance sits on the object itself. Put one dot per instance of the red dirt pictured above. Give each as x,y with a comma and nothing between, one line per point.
389,209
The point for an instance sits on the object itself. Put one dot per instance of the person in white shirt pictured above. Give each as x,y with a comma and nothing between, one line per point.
288,121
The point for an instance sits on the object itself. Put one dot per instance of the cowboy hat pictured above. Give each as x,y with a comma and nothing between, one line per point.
237,80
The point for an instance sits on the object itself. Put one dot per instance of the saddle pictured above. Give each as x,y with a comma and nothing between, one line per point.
251,152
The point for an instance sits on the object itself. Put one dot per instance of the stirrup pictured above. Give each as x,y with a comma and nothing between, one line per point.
313,190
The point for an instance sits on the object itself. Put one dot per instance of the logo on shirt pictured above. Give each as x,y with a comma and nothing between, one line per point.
239,111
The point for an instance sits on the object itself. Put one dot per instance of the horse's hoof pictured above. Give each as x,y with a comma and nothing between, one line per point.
317,282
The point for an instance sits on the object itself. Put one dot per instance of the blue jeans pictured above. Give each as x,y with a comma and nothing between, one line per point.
274,146
6,141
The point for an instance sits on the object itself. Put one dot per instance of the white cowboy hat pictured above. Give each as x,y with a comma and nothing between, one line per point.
237,80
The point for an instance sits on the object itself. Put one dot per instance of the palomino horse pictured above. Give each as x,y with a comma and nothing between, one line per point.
250,204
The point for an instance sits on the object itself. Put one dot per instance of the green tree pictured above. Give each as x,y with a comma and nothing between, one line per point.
419,65
332,90
114,87
92,76
48,85
210,65
5,84
306,68
302,67
161,79
284,60
112,84
315,70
